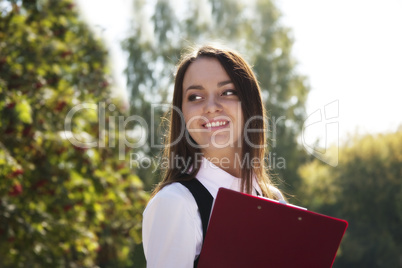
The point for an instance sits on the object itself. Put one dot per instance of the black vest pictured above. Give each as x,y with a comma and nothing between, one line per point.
204,201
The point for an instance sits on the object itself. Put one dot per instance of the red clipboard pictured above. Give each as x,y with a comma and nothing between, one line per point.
249,231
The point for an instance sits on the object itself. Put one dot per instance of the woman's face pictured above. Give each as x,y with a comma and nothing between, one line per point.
211,108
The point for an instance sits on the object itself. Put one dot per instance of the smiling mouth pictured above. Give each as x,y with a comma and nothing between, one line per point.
216,124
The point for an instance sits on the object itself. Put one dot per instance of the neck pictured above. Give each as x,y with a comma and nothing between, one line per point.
225,159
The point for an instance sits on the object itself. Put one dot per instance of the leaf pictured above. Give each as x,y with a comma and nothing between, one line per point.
24,112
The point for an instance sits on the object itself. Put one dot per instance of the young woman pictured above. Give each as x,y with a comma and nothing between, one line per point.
216,139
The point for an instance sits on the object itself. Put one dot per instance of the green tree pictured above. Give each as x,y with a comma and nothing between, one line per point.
251,27
61,204
366,190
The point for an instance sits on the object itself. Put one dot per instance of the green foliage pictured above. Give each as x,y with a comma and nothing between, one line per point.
251,27
366,190
61,205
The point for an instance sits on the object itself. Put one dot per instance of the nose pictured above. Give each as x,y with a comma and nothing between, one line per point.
212,105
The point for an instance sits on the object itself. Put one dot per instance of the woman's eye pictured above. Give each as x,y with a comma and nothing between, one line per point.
194,97
229,92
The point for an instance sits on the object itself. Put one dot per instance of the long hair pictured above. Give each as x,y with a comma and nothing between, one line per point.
249,93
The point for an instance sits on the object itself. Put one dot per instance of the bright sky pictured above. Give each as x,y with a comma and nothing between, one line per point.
349,49
351,52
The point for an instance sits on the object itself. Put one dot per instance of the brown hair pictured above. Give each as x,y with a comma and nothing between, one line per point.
249,94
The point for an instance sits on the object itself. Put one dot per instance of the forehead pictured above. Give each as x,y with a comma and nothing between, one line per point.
204,70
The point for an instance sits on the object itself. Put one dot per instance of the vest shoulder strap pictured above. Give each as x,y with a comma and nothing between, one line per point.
204,201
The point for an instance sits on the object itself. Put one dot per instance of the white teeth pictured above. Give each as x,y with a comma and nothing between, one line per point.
216,124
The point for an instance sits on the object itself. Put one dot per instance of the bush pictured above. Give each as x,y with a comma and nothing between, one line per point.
366,190
61,205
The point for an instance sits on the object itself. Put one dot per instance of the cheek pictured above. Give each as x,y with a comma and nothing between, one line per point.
188,114
191,111
236,111
185,112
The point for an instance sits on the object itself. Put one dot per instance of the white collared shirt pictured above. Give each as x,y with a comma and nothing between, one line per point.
172,229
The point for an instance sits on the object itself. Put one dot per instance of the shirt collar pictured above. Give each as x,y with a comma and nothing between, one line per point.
213,177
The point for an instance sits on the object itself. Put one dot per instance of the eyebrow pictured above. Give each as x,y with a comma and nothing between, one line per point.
199,87
221,84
